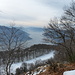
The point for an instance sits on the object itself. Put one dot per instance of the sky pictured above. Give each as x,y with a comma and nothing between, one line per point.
30,12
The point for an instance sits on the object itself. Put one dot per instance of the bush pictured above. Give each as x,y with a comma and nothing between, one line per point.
24,67
18,71
53,65
38,63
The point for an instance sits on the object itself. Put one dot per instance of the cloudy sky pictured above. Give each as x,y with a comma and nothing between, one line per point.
30,12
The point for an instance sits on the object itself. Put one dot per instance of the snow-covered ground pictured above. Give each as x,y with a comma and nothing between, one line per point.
18,65
72,72
43,57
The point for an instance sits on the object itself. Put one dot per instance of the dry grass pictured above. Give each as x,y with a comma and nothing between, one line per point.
66,67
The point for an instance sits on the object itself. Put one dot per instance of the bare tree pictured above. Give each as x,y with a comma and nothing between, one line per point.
62,32
11,39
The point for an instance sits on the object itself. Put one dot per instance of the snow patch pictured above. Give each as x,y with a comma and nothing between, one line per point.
72,72
15,66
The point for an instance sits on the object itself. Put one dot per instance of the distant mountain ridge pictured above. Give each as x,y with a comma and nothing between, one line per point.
25,34
34,29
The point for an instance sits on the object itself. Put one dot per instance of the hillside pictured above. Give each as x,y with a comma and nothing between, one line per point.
7,30
60,69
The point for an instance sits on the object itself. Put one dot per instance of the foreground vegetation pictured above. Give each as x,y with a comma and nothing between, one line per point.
51,68
59,69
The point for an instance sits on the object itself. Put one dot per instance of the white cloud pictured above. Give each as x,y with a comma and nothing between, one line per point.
31,12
